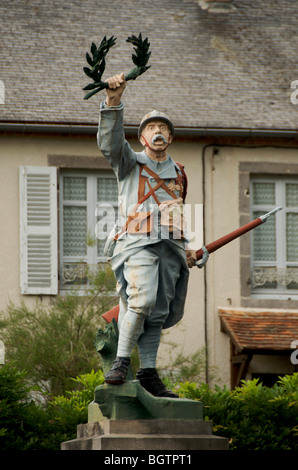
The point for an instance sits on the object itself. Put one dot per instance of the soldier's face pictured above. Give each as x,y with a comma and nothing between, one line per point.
157,134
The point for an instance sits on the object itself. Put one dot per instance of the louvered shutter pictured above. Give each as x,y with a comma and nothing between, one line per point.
38,230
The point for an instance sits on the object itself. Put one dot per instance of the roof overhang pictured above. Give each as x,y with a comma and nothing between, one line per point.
65,128
260,330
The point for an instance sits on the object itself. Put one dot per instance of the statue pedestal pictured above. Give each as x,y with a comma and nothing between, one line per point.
155,434
127,417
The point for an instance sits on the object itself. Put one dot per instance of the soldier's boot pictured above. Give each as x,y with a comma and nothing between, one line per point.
149,379
118,372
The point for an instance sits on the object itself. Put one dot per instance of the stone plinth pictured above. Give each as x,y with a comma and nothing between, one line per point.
127,417
146,434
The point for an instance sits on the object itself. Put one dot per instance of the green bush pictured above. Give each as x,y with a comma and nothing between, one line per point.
253,416
20,419
27,425
54,342
72,408
65,412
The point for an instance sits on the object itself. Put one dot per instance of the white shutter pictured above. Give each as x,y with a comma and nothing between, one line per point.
38,230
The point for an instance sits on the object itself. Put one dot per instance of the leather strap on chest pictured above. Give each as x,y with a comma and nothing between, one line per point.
143,180
160,183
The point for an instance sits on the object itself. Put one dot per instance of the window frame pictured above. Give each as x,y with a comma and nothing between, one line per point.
248,168
281,262
91,258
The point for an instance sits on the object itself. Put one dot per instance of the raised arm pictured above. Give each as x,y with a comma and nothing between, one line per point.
110,136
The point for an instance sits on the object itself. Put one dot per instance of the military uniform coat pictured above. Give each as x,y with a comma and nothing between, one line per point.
125,163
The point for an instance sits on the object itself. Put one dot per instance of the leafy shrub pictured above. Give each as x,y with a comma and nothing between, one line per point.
253,417
54,342
26,425
65,412
20,419
75,402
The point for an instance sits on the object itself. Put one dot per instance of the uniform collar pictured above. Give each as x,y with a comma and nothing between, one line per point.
166,169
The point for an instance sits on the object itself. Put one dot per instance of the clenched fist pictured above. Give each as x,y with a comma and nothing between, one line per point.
191,258
117,85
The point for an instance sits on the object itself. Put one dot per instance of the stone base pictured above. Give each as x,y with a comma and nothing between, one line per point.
127,417
146,434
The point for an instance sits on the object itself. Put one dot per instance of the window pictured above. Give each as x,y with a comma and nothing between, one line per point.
274,255
80,196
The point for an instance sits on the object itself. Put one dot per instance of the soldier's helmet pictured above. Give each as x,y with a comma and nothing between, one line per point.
155,116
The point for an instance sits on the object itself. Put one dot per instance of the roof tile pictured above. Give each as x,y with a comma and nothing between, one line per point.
260,329
229,70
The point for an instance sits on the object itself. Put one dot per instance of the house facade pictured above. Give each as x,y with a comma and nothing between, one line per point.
225,74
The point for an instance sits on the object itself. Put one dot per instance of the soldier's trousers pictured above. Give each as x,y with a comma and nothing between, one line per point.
151,276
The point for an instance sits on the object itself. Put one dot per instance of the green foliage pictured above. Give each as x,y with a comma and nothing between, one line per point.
19,416
97,62
25,425
54,342
181,367
79,399
253,417
65,412
140,58
185,367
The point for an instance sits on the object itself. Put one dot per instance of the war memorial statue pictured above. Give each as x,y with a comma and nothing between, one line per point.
149,255
148,251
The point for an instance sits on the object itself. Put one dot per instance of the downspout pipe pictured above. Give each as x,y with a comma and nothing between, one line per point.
206,338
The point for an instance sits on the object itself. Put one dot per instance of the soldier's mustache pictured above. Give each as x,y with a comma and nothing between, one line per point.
159,137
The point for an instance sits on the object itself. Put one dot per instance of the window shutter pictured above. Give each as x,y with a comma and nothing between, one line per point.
38,230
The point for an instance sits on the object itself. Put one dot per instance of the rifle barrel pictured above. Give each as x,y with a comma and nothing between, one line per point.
236,233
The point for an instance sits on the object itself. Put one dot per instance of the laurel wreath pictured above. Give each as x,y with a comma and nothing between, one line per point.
97,62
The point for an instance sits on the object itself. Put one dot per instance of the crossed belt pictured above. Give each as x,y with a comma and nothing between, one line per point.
142,197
